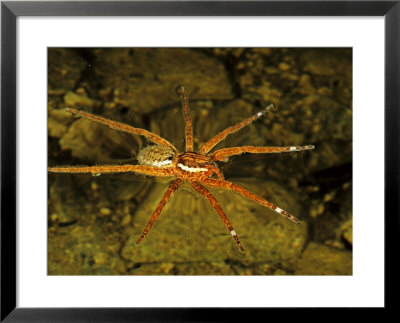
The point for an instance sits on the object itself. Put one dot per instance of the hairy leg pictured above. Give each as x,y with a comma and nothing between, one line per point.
218,172
124,127
188,121
242,191
223,134
213,201
221,154
171,189
94,170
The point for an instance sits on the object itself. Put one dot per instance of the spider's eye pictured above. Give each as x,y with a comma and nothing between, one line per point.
170,157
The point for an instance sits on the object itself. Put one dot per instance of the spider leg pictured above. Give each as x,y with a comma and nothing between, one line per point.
223,134
213,201
218,172
221,154
242,191
95,170
188,121
171,189
124,127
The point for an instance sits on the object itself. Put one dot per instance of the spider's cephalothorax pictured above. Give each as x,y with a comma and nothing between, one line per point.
198,168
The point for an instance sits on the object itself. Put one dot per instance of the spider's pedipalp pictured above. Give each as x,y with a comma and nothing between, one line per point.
171,189
213,201
222,154
124,127
223,134
242,191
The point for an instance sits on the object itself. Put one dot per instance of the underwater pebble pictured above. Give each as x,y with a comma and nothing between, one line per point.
126,220
105,211
54,217
94,186
347,231
73,100
167,267
271,70
56,92
284,66
100,258
317,210
348,235
56,129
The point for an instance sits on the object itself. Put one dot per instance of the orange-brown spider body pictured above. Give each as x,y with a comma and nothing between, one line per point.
193,166
197,168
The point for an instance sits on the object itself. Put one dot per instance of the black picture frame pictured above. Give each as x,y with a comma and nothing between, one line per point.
10,10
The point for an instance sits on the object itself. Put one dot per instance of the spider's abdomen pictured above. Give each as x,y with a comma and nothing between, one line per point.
156,156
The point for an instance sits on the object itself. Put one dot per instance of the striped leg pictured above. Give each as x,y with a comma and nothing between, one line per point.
97,170
171,189
222,135
203,191
188,121
242,191
221,154
123,127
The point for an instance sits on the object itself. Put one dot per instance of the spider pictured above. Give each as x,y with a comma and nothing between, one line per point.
198,168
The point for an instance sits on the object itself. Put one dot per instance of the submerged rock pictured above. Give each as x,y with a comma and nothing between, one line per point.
90,141
319,259
145,79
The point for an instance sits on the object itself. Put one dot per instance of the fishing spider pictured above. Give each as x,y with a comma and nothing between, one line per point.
198,168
